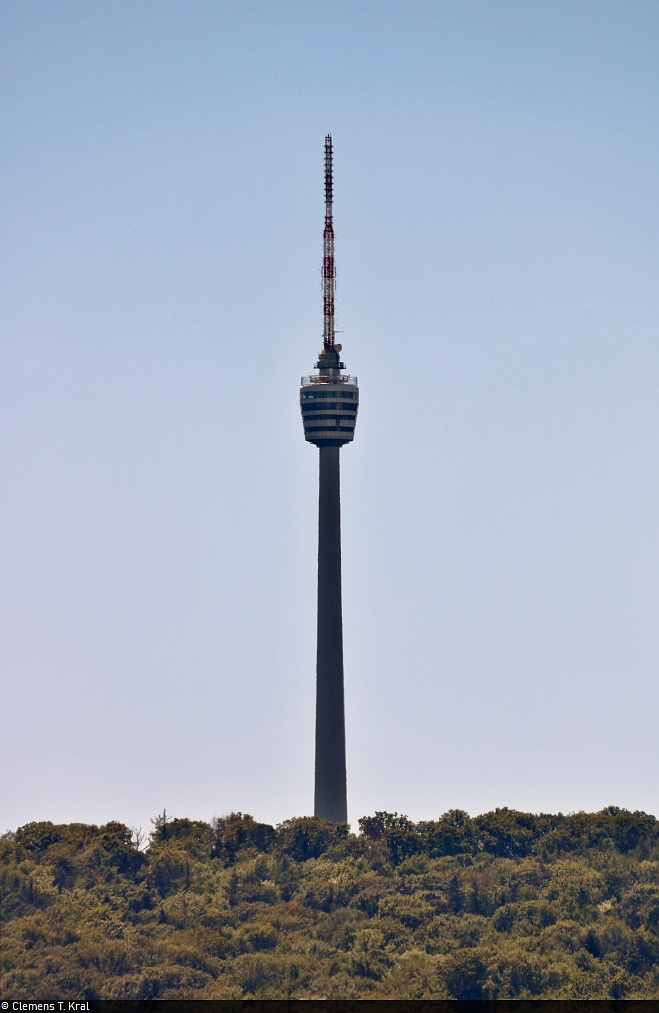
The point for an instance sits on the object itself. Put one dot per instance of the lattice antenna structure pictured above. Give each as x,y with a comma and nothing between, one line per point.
329,269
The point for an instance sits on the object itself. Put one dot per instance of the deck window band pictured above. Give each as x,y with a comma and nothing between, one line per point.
328,432
331,395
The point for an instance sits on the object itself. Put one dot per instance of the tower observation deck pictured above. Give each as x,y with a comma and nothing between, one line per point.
329,401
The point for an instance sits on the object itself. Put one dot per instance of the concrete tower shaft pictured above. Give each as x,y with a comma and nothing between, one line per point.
330,795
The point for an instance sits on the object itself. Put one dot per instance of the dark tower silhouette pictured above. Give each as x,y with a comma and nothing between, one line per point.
329,402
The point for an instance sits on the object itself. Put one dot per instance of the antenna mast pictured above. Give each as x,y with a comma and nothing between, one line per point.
329,270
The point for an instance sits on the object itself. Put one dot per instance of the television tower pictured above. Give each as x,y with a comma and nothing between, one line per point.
329,402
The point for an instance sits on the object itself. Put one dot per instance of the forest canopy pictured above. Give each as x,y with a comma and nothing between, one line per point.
502,905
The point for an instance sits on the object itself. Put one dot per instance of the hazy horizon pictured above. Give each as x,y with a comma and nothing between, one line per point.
496,215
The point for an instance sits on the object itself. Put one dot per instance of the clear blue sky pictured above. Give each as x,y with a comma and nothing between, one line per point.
497,213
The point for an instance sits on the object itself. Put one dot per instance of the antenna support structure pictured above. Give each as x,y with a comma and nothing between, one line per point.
329,400
329,268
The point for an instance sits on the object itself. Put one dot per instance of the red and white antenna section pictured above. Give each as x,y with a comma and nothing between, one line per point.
329,269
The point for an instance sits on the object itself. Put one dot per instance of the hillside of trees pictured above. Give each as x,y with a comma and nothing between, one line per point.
503,905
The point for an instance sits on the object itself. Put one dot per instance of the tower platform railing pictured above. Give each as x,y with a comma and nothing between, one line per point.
306,380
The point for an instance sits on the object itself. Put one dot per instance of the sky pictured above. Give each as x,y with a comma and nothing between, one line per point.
497,229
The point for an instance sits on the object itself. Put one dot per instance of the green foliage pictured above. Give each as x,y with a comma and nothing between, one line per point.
511,834
506,905
465,973
612,827
38,836
398,832
192,835
309,837
237,832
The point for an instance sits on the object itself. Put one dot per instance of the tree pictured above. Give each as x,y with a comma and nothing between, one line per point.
309,837
399,833
236,832
464,974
